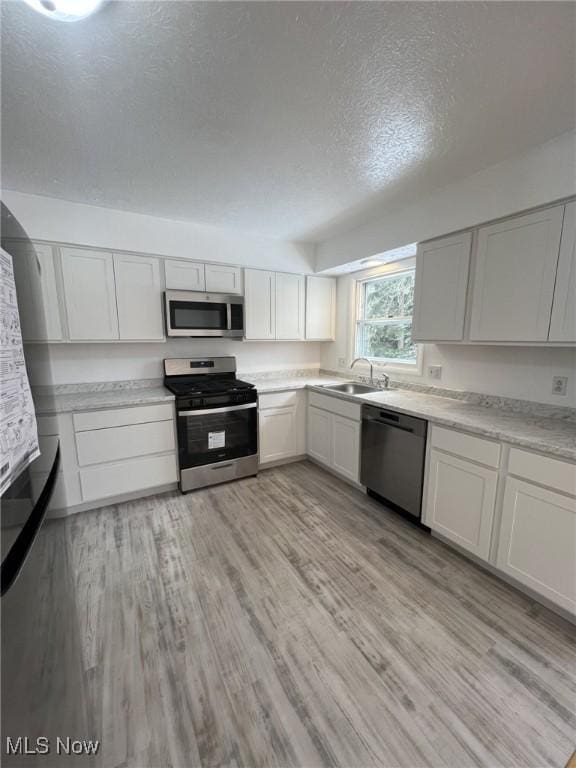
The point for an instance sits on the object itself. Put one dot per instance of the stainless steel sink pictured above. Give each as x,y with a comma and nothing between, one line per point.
351,388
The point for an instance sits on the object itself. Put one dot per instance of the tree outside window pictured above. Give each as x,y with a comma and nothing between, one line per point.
384,325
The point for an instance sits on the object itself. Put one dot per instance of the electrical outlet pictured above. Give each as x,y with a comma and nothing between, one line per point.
435,371
342,362
559,385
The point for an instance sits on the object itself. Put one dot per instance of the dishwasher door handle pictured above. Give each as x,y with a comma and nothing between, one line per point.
392,425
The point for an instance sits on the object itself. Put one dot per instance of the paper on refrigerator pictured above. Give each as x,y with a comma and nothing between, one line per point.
18,431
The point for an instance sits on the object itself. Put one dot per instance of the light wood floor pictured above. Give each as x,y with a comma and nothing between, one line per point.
288,620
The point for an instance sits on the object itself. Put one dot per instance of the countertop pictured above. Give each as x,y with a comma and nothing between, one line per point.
101,398
553,436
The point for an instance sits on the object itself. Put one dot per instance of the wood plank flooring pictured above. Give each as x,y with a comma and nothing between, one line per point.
288,620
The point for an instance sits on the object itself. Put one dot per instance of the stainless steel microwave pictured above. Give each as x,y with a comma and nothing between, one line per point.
194,313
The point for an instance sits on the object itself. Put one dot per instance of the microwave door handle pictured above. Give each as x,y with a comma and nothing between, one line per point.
228,316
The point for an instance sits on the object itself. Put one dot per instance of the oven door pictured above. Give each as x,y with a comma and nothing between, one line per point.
189,313
210,435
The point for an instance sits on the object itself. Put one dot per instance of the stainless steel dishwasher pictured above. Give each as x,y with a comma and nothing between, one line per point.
393,451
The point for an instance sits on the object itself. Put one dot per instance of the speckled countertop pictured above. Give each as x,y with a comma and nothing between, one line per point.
70,402
554,436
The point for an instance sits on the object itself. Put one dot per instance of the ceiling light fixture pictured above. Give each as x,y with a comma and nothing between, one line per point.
65,10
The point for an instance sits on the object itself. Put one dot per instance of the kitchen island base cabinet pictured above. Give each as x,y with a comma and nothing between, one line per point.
537,544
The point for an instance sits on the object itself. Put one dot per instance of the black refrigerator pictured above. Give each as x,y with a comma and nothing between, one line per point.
44,683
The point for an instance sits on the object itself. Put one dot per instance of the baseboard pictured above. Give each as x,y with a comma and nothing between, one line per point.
336,474
98,503
511,581
280,462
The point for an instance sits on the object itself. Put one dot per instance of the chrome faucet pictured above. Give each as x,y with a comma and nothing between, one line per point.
385,377
357,360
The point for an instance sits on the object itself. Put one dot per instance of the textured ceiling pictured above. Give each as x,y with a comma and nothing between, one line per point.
285,119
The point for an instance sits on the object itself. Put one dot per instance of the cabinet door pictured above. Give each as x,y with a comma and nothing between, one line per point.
538,541
319,435
138,297
184,275
320,308
260,304
461,500
38,299
514,277
277,434
221,278
563,323
440,290
346,447
90,294
289,306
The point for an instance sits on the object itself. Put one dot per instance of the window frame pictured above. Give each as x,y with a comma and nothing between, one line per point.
387,364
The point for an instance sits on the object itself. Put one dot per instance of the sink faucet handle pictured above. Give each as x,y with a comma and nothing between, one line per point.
385,379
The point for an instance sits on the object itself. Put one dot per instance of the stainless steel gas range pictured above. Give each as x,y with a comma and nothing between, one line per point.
217,420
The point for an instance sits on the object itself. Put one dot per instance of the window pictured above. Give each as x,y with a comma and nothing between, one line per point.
384,319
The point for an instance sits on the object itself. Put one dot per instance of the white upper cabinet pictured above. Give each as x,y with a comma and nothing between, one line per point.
90,294
440,293
514,277
320,308
222,278
138,297
35,269
184,275
290,308
563,323
260,304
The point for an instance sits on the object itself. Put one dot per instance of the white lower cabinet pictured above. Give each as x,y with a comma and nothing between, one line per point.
320,435
281,426
108,453
461,501
346,447
537,544
106,480
334,435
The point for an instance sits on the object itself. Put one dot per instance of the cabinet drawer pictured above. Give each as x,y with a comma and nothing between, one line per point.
127,477
335,405
102,445
119,417
277,400
467,446
554,473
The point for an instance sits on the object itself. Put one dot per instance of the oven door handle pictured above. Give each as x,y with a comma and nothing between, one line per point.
227,409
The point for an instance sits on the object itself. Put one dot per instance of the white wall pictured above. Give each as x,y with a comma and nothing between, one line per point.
78,363
47,218
520,372
536,177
